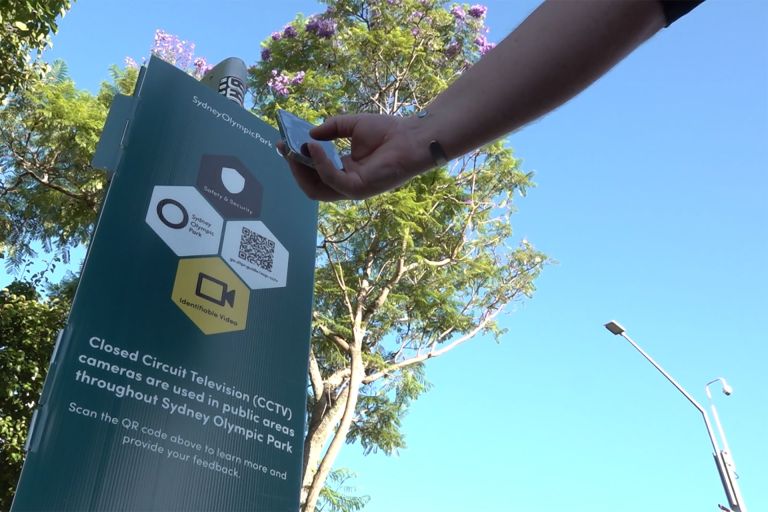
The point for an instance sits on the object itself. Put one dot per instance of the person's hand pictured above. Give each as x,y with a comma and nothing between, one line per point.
385,154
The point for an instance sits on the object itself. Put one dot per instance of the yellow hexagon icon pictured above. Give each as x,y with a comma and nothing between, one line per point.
211,295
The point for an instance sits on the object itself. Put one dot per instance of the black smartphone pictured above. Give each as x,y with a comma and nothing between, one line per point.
295,133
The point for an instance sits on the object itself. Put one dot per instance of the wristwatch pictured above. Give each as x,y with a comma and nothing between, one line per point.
436,150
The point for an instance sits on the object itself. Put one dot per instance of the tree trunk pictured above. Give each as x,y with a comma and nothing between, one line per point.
340,436
320,429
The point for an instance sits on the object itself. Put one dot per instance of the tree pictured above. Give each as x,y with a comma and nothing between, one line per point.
28,328
49,193
410,275
25,28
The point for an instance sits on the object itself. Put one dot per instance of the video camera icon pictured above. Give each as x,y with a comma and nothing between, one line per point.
214,290
211,295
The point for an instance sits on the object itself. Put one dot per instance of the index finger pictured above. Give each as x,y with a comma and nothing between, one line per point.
335,127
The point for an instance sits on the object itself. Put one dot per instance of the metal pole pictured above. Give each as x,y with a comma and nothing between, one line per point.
721,462
661,370
728,474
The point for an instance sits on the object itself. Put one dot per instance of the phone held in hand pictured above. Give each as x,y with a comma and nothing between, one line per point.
295,133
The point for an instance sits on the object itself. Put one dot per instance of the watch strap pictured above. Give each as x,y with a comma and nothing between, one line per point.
438,153
436,150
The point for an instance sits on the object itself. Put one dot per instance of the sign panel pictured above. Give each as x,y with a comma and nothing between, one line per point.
179,382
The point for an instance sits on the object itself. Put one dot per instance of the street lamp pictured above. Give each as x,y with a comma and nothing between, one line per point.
723,459
728,471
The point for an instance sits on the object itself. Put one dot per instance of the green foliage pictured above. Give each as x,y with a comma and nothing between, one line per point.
382,57
382,407
25,27
28,328
337,495
49,192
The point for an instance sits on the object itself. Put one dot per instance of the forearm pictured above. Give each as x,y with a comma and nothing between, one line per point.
559,50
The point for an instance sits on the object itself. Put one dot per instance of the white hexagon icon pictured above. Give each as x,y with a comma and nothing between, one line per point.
255,254
185,221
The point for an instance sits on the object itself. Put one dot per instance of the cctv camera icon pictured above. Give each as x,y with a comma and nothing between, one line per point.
214,290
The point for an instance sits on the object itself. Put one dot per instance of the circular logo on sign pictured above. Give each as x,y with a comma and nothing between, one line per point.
169,210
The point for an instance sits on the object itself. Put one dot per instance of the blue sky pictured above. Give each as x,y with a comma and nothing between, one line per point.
651,197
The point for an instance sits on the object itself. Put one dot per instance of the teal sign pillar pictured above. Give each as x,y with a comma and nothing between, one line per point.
179,382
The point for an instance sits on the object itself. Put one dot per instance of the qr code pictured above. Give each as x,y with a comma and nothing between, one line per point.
256,249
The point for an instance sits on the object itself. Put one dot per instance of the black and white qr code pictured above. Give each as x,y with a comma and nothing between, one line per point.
256,249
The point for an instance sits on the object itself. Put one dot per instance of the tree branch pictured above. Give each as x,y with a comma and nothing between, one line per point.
340,281
434,353
387,288
335,338
315,377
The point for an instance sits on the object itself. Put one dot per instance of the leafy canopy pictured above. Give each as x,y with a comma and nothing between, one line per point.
25,28
28,328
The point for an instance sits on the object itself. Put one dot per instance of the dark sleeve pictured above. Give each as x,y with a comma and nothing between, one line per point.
674,9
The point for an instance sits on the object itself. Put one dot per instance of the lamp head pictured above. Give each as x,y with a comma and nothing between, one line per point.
614,327
727,389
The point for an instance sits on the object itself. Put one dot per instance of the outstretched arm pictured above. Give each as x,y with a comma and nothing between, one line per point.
558,51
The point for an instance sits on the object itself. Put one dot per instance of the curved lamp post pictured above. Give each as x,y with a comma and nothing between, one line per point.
728,472
723,459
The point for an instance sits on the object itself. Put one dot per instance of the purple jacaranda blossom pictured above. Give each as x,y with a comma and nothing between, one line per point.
415,31
477,11
458,12
415,16
276,36
266,54
488,47
290,32
130,63
327,28
321,27
172,49
483,45
313,23
279,83
298,78
393,2
200,67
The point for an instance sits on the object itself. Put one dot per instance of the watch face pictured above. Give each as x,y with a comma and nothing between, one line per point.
295,134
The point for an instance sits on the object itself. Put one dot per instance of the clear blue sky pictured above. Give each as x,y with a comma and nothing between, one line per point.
651,198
